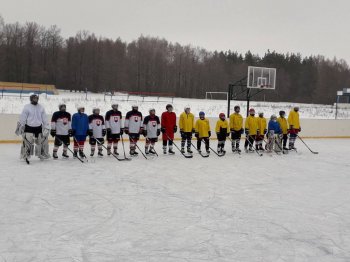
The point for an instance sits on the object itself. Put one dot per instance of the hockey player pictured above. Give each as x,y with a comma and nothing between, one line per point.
133,128
222,130
251,130
80,127
202,132
274,135
186,124
113,121
236,128
168,128
284,127
151,131
34,127
61,129
294,126
97,131
262,127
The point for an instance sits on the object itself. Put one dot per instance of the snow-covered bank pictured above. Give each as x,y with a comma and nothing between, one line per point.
14,105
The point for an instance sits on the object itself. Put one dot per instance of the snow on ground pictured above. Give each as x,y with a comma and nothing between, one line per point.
212,108
287,208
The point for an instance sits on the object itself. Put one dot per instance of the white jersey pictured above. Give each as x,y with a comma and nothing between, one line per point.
151,124
113,120
34,116
97,124
133,122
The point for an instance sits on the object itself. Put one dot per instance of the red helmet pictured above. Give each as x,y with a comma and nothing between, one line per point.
222,115
252,111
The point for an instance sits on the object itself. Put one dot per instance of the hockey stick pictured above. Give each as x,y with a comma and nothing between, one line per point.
126,158
186,156
28,150
266,143
314,152
256,151
214,150
115,156
199,151
76,141
141,151
82,161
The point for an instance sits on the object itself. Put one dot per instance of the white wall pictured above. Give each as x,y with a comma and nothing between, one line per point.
310,128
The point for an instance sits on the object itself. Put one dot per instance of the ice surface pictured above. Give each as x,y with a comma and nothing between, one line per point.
292,207
212,108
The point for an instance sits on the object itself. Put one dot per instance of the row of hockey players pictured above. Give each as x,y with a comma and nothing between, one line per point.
96,127
34,128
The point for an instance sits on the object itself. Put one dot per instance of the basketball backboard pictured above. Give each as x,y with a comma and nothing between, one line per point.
261,77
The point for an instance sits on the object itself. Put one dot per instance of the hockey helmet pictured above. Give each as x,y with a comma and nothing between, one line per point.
252,111
296,108
96,110
222,115
80,108
273,117
187,108
152,110
34,98
282,113
62,107
261,114
237,109
201,113
115,106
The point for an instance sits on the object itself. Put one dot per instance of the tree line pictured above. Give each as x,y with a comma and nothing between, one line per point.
35,54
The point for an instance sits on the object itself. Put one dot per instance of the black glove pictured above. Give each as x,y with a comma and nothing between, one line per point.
265,131
196,135
144,133
242,131
227,134
182,132
109,131
121,131
175,129
141,131
53,132
103,132
193,130
158,132
89,132
209,133
246,131
163,130
71,132
126,130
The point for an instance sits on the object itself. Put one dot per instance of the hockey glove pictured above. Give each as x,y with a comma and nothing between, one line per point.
175,129
265,131
46,132
103,132
121,131
141,131
299,129
19,129
144,133
196,135
53,132
209,133
246,132
158,132
126,131
163,130
193,131
227,134
109,132
71,132
90,133
242,131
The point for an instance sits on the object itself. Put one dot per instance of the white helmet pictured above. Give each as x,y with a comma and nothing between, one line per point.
187,107
115,106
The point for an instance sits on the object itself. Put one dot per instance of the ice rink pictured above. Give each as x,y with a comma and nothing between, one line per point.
274,208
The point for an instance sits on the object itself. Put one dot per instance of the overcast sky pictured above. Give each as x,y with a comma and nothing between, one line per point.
305,26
